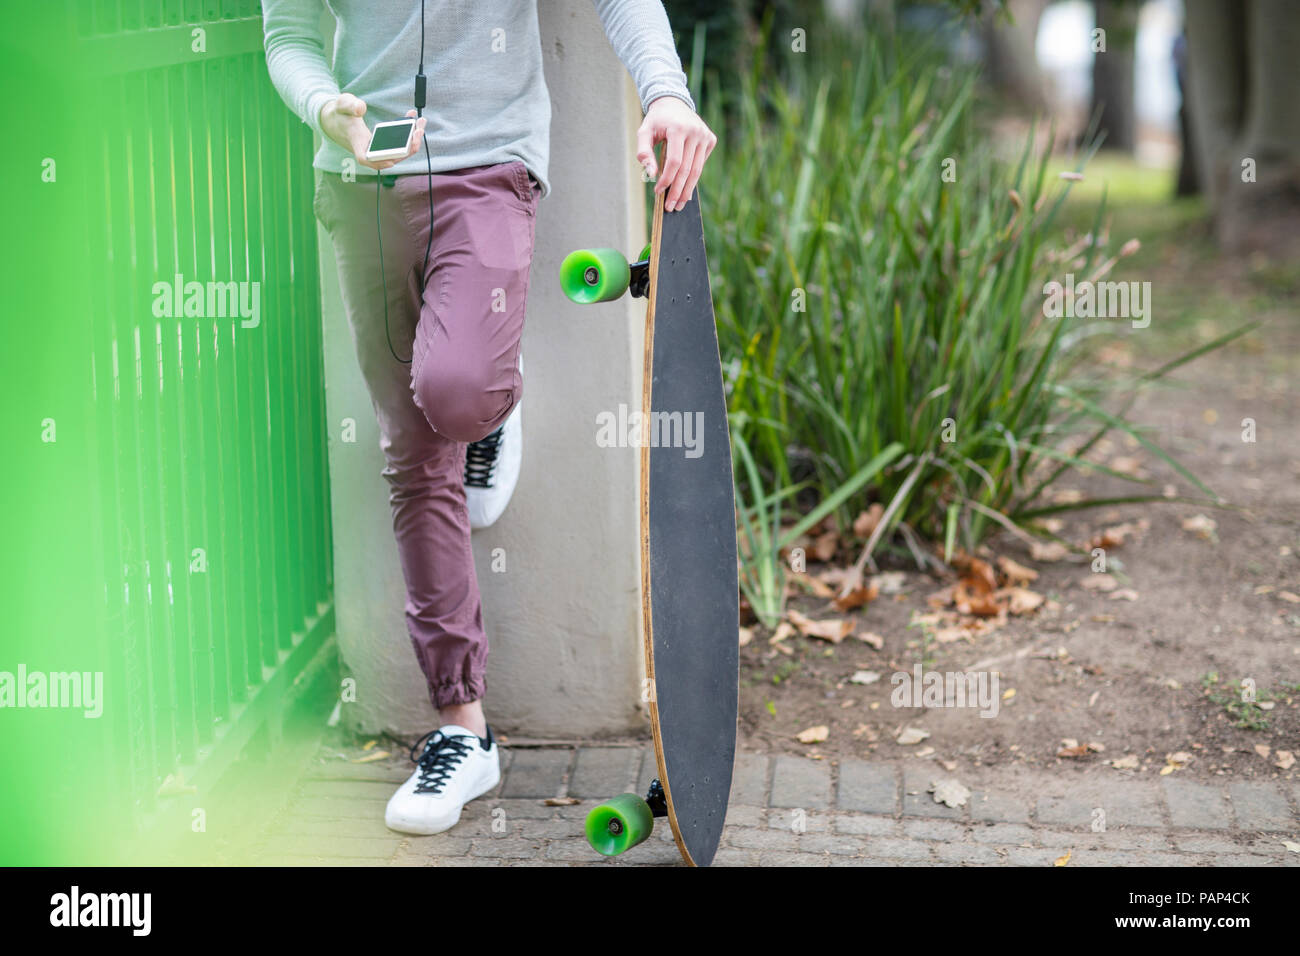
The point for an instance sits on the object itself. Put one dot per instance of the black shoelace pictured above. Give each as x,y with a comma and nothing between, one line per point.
441,756
481,459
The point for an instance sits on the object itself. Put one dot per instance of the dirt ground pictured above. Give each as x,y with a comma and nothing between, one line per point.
1125,669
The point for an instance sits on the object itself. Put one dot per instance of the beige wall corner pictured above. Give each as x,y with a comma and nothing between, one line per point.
559,572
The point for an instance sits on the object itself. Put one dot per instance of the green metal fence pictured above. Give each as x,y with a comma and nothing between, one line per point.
209,432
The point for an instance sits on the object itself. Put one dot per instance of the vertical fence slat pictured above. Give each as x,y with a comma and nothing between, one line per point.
283,386
181,486
110,490
193,576
266,384
150,439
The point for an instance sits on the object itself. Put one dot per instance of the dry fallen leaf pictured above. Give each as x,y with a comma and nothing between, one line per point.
1175,761
1112,537
1124,594
862,730
890,582
866,522
946,635
949,792
1263,750
864,677
872,638
1289,597
1128,466
1099,582
973,596
783,630
856,598
832,629
910,736
1128,762
1016,573
1291,847
372,756
824,546
1063,860
813,735
746,635
561,801
1285,760
837,576
940,598
1019,600
1201,526
1048,551
977,573
816,586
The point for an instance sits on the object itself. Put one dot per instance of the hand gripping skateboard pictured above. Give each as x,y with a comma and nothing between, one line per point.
689,591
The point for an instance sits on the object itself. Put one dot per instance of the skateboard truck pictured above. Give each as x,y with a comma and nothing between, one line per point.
599,275
656,800
626,820
639,283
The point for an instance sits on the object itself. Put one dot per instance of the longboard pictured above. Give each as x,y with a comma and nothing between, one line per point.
688,539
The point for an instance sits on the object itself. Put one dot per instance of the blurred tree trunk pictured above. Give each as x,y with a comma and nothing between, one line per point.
1246,119
1112,73
1189,182
1011,63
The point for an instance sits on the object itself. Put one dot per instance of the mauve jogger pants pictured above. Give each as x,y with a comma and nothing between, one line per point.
460,326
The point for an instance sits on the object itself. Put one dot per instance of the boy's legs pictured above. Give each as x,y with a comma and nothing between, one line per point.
463,339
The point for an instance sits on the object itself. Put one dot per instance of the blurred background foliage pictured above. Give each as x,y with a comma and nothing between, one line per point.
880,247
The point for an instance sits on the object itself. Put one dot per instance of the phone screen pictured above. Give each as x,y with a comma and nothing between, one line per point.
390,137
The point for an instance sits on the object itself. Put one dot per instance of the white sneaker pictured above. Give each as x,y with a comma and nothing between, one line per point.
454,768
492,469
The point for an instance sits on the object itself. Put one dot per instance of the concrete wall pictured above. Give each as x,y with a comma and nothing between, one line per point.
563,616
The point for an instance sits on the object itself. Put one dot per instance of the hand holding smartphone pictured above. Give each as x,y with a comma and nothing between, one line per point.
343,121
391,140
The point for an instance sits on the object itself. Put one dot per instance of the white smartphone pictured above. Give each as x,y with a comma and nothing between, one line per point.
390,140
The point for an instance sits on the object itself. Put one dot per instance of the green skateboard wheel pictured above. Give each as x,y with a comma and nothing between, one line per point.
645,253
619,825
594,275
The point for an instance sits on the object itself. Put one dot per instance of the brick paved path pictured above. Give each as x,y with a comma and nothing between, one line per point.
796,811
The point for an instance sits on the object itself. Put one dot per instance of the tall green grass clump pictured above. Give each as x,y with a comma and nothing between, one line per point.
879,284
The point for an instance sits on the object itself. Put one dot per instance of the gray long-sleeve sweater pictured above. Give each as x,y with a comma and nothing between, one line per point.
487,100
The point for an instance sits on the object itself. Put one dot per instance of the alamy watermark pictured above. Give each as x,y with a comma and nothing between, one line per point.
1087,299
179,299
633,429
75,908
922,688
81,690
